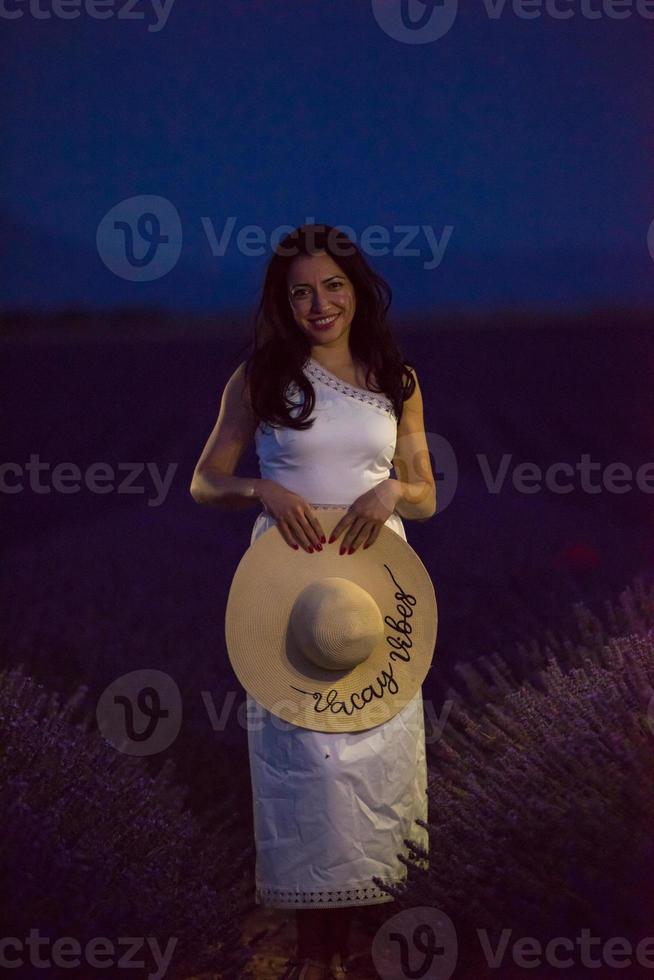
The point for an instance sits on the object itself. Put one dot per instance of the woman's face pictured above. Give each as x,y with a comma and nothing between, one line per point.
321,298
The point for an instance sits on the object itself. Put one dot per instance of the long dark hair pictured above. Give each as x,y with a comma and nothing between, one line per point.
281,348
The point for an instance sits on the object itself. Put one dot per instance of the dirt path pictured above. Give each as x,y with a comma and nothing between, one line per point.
272,935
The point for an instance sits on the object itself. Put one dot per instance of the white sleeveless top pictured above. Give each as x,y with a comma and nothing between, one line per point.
332,810
338,458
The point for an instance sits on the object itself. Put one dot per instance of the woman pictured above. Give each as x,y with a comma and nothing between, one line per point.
331,406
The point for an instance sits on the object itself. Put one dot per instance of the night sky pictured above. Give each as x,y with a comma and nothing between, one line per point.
529,139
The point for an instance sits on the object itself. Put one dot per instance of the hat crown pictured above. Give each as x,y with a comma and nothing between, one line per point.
335,623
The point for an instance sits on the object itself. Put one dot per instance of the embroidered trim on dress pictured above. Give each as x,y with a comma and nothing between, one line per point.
264,513
336,506
348,896
319,373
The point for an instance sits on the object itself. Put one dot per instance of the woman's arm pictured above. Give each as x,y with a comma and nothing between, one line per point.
213,483
416,485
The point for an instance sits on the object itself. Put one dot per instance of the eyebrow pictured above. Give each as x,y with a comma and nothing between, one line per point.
307,284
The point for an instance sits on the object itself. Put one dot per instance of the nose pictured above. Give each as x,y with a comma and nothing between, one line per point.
320,303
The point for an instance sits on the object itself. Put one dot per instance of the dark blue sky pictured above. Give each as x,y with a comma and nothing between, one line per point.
530,139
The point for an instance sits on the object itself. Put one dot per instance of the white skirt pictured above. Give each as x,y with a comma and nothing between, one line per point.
333,809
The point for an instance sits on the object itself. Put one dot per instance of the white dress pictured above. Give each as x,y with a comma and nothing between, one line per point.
332,810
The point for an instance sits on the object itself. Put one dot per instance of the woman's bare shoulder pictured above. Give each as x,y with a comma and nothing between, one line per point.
237,387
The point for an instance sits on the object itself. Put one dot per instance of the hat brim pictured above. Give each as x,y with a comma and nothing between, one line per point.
266,662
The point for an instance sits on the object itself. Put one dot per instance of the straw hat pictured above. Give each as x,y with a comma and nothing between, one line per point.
329,642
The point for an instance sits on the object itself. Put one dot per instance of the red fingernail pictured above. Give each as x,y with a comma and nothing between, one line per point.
341,550
365,546
324,539
296,546
331,538
318,547
351,551
310,550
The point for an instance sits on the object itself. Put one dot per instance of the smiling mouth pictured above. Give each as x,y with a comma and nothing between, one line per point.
324,321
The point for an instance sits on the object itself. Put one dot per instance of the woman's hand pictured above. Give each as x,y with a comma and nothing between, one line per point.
297,523
366,516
